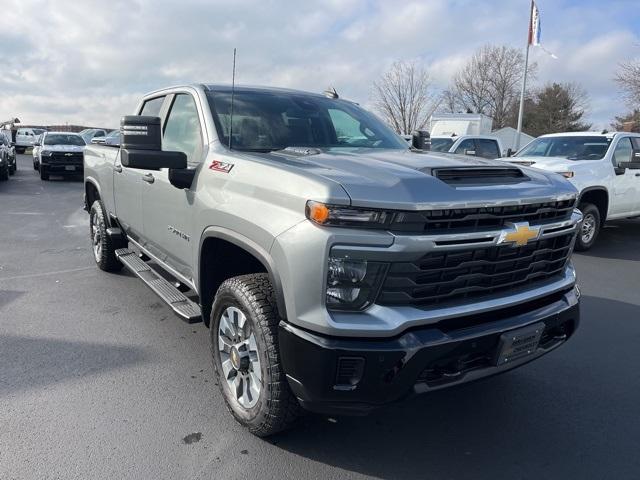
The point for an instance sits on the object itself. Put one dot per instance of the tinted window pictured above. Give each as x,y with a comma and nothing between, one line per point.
572,148
622,153
465,145
152,107
62,139
487,148
182,132
441,144
273,120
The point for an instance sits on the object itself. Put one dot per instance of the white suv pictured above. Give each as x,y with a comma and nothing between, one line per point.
604,167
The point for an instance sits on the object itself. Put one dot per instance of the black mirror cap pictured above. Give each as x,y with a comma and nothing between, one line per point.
152,160
421,140
510,152
140,132
182,178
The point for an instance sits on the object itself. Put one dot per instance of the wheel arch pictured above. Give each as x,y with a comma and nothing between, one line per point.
599,196
92,192
212,240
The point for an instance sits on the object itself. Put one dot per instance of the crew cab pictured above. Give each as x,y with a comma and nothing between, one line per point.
485,146
603,166
337,269
60,153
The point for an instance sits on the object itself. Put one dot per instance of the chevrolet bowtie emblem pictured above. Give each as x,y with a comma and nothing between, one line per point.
519,234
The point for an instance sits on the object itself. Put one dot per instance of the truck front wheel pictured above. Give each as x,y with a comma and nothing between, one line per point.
104,252
246,357
589,228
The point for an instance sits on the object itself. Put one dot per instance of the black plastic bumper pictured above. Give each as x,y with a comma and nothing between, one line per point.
420,360
61,169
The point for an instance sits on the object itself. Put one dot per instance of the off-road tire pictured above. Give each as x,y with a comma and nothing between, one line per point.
44,175
4,173
277,408
590,213
107,260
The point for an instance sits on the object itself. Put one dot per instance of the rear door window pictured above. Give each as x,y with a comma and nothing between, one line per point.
487,148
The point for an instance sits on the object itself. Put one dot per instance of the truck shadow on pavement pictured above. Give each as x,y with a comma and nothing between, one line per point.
615,241
32,362
545,420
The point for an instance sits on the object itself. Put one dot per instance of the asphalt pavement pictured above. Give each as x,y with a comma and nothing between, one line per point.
98,379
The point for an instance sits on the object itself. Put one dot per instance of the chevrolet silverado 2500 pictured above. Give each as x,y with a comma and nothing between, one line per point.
337,270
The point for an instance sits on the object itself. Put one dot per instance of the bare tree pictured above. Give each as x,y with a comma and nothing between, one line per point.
489,83
405,98
628,78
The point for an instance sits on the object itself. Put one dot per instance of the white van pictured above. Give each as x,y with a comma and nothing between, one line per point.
26,137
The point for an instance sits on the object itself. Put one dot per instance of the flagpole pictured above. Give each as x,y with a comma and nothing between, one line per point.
524,80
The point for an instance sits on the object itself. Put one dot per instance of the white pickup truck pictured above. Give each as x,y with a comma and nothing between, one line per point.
604,167
485,146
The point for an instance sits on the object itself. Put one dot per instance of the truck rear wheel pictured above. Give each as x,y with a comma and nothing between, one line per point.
246,356
104,252
589,228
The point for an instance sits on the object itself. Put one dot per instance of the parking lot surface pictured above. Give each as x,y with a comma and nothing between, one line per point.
98,379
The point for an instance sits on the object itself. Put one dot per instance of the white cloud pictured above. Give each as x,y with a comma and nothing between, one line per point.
89,62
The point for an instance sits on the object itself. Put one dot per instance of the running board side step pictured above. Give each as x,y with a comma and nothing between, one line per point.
185,308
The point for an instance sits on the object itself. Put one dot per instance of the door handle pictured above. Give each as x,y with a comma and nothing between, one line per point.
637,174
149,178
118,168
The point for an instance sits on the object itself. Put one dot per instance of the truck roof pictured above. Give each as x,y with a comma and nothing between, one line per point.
588,134
238,88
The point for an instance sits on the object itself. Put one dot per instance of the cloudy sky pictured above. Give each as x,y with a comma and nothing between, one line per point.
88,62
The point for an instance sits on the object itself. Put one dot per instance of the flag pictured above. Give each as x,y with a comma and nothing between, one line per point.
534,29
534,26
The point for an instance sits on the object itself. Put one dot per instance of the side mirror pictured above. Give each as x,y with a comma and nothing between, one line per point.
141,145
509,152
469,152
635,165
421,140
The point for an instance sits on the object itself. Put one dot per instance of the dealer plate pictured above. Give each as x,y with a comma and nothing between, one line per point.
517,344
70,168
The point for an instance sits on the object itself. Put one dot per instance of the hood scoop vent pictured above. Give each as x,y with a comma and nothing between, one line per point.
301,151
480,176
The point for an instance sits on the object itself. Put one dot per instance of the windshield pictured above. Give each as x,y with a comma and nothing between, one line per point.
572,148
265,121
62,139
441,144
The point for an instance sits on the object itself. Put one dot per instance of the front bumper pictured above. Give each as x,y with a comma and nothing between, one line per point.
61,168
422,359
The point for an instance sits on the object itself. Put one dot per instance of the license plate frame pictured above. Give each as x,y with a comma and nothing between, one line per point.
519,343
70,168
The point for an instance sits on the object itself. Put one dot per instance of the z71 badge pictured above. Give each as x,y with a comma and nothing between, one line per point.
221,166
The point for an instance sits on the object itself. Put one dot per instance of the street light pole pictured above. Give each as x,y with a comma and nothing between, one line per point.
524,80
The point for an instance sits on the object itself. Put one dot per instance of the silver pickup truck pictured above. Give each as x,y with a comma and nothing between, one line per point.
337,269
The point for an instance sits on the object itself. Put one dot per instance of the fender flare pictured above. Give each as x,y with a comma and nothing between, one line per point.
95,183
254,249
592,189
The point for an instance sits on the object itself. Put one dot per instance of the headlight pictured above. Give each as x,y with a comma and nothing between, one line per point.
334,215
567,174
45,153
352,284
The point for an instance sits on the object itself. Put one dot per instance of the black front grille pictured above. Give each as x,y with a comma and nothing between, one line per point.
463,220
443,277
68,158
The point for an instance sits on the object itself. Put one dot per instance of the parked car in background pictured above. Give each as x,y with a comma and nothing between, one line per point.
5,166
604,167
35,151
7,144
111,138
26,137
485,146
89,134
61,153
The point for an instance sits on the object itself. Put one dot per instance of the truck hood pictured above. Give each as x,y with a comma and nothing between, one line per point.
555,164
403,179
63,148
